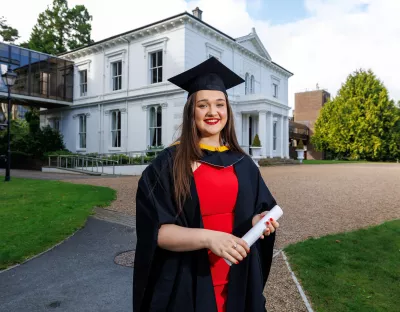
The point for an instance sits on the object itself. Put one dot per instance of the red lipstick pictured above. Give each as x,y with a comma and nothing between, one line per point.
211,121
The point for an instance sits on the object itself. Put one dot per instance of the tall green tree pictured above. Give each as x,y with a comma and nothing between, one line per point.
7,33
361,122
59,28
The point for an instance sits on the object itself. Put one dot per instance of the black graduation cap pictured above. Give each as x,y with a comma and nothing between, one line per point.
209,75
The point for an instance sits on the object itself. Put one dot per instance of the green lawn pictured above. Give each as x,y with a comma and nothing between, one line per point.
325,162
355,271
37,214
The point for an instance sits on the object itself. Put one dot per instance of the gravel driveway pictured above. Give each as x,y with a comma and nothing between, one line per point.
316,199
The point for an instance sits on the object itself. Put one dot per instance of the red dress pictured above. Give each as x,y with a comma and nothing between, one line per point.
217,190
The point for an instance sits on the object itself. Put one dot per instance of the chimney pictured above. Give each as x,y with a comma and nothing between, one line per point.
197,13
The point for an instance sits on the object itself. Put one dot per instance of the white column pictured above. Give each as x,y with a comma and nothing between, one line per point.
239,127
164,125
286,136
262,130
270,128
245,132
281,136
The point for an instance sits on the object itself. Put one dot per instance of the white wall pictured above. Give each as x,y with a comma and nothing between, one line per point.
136,94
199,45
183,47
135,61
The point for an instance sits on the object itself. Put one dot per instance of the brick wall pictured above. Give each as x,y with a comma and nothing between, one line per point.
307,108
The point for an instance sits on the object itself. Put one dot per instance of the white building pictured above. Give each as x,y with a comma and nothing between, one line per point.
123,101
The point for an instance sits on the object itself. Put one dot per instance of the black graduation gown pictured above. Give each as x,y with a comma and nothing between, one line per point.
181,281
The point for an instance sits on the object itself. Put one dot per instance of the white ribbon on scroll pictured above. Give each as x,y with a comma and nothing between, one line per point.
256,231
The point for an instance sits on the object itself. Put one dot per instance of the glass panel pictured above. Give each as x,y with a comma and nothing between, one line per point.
60,87
152,136
119,120
35,74
159,58
113,121
154,75
153,60
15,57
69,81
21,85
52,69
158,136
4,53
82,143
114,69
160,74
159,116
152,117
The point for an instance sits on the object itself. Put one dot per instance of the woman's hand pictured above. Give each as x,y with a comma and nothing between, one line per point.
272,225
227,246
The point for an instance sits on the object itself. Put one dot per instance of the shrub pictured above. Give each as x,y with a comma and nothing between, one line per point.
300,146
256,141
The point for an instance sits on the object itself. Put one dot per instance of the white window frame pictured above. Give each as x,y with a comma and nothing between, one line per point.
157,53
83,85
212,50
275,86
246,83
275,90
117,129
117,77
82,132
154,125
154,46
113,57
252,84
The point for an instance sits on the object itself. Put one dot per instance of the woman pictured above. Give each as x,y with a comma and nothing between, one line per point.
194,203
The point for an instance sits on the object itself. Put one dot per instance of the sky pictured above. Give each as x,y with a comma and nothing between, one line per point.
320,41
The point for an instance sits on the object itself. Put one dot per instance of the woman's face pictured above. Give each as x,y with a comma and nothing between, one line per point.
211,112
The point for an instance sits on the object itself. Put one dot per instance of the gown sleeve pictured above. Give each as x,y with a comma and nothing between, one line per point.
265,201
154,207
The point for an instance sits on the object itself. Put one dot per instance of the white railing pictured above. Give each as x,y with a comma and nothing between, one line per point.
82,163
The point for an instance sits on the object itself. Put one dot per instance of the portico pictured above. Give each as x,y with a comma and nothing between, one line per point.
267,119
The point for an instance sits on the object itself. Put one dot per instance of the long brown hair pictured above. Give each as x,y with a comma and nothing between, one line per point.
188,149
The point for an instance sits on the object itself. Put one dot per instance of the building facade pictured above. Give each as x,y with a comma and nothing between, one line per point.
42,80
308,105
122,101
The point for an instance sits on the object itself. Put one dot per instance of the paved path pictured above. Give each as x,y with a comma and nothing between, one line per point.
78,275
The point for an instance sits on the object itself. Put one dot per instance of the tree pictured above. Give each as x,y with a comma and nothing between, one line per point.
8,33
361,122
60,29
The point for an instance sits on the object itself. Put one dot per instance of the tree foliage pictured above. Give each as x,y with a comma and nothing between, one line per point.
59,28
8,33
361,122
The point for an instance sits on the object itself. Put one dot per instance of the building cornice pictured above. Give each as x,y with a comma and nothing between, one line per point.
141,33
260,101
123,100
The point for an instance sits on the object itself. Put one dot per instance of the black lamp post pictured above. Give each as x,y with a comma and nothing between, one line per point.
9,80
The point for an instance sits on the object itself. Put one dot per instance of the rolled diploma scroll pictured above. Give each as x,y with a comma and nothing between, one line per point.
256,231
